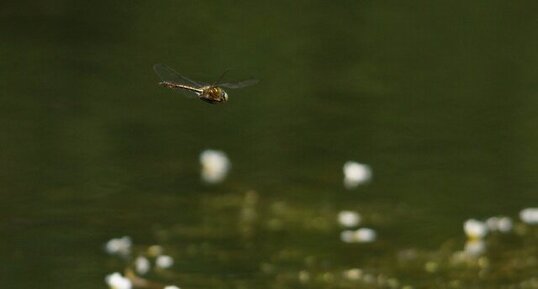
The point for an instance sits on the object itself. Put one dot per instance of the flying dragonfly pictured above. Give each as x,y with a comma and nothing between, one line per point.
212,93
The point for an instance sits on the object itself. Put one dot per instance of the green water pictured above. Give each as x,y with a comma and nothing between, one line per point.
440,99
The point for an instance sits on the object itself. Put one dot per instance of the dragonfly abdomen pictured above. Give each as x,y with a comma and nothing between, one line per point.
179,86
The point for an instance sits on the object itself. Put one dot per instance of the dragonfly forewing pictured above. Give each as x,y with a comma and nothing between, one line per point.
239,84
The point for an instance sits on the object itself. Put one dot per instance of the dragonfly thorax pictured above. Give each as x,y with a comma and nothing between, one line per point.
213,94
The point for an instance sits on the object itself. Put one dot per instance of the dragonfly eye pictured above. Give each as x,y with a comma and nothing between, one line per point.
225,95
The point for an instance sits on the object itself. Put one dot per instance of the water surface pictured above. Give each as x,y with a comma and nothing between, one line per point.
439,99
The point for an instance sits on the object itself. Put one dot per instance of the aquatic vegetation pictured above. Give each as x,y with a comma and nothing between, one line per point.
499,224
285,244
155,250
133,270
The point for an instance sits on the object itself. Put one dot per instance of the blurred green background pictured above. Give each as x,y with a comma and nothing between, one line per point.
439,98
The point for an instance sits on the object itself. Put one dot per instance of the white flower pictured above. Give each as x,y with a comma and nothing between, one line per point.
171,287
365,235
142,265
117,281
362,235
529,216
501,224
215,166
164,261
355,174
119,246
349,218
475,229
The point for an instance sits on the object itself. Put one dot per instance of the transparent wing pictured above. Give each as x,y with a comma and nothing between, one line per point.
239,84
168,74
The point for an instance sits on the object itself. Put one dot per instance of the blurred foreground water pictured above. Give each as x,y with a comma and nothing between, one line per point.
386,145
278,245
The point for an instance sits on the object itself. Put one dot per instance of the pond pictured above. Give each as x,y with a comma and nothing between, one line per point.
386,145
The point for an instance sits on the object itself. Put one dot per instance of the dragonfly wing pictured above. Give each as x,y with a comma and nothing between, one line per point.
239,84
168,74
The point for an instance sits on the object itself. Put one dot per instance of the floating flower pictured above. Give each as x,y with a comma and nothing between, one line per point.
215,166
362,235
355,174
164,262
349,218
142,265
529,216
119,246
475,229
117,281
365,235
501,224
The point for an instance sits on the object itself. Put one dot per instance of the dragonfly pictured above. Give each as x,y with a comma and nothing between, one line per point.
211,93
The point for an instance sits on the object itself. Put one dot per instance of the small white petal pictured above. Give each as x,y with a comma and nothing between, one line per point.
505,225
365,235
492,223
349,218
142,265
171,287
529,216
475,229
119,246
501,224
362,235
117,281
164,261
